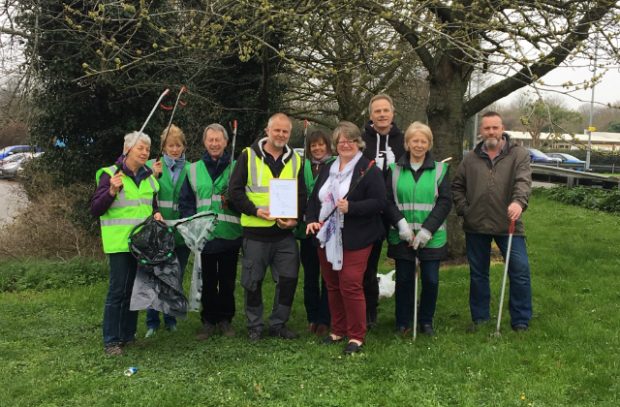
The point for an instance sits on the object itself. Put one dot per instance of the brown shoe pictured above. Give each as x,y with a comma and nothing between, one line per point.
321,330
312,327
113,350
206,332
227,329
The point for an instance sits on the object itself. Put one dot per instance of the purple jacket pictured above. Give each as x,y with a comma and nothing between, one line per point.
102,200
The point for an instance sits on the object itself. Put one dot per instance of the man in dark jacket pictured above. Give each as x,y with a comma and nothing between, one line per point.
491,188
267,241
385,144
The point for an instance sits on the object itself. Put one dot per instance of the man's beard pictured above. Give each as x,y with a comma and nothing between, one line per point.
491,143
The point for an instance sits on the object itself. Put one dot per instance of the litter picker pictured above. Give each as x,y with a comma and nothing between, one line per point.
174,109
511,231
415,299
303,159
163,94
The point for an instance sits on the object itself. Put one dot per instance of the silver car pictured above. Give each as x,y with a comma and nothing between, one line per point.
13,164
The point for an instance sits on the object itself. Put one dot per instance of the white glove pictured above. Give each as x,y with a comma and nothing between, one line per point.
404,231
421,239
389,157
379,160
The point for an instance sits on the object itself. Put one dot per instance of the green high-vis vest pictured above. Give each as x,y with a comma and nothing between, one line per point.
131,206
209,198
257,186
168,196
416,200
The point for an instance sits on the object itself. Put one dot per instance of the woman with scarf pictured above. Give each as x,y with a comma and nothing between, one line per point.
344,211
171,171
319,154
125,197
206,189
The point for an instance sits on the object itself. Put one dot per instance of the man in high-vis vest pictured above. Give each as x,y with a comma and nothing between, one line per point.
267,241
205,190
124,198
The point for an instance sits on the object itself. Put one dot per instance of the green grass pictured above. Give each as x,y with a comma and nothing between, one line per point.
51,352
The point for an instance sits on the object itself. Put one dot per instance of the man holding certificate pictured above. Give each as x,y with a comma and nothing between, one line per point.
266,187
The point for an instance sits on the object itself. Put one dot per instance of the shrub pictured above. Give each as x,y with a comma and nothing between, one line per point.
587,197
55,224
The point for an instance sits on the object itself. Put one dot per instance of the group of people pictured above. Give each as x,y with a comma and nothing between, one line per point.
355,189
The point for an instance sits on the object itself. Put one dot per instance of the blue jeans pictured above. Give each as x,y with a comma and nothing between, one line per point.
315,291
404,293
479,257
119,323
152,316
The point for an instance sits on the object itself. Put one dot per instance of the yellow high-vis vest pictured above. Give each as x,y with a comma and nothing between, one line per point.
257,186
131,206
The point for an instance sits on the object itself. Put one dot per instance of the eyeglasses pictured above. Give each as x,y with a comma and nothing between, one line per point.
346,142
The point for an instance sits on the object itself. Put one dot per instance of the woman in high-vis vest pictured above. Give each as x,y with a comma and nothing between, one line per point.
171,171
318,154
125,196
206,189
344,211
419,201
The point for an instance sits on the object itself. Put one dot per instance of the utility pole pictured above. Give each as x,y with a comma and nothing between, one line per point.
590,127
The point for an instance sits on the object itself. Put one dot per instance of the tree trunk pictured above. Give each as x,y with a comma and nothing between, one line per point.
447,87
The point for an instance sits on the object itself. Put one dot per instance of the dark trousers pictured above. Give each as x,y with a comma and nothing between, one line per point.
347,304
479,257
283,259
315,291
219,272
371,284
152,316
119,323
404,293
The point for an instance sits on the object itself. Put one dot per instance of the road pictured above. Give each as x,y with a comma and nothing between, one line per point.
12,200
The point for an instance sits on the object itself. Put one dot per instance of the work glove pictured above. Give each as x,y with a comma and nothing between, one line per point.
404,231
379,160
389,157
421,239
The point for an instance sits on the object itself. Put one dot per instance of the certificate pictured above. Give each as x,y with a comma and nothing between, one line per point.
283,198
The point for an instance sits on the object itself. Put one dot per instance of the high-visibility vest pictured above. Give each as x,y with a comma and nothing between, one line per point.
416,200
310,180
209,198
257,186
131,206
168,195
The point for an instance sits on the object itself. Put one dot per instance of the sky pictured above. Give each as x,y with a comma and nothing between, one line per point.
606,91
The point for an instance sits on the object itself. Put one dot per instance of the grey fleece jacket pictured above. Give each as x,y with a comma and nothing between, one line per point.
482,189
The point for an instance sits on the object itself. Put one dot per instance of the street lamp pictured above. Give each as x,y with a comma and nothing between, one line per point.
590,127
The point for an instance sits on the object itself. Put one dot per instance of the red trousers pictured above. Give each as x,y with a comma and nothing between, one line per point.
345,291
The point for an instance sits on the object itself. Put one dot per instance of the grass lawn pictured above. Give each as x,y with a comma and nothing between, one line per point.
51,352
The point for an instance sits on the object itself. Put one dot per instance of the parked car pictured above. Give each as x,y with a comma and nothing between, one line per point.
11,166
10,150
568,160
538,157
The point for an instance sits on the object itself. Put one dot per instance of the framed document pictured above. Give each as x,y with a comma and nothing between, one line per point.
283,198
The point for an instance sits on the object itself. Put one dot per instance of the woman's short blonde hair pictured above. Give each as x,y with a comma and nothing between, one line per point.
418,127
349,131
175,134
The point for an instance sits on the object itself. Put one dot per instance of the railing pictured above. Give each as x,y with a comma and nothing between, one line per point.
571,177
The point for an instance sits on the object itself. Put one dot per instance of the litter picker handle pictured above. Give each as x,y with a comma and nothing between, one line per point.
511,227
163,94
